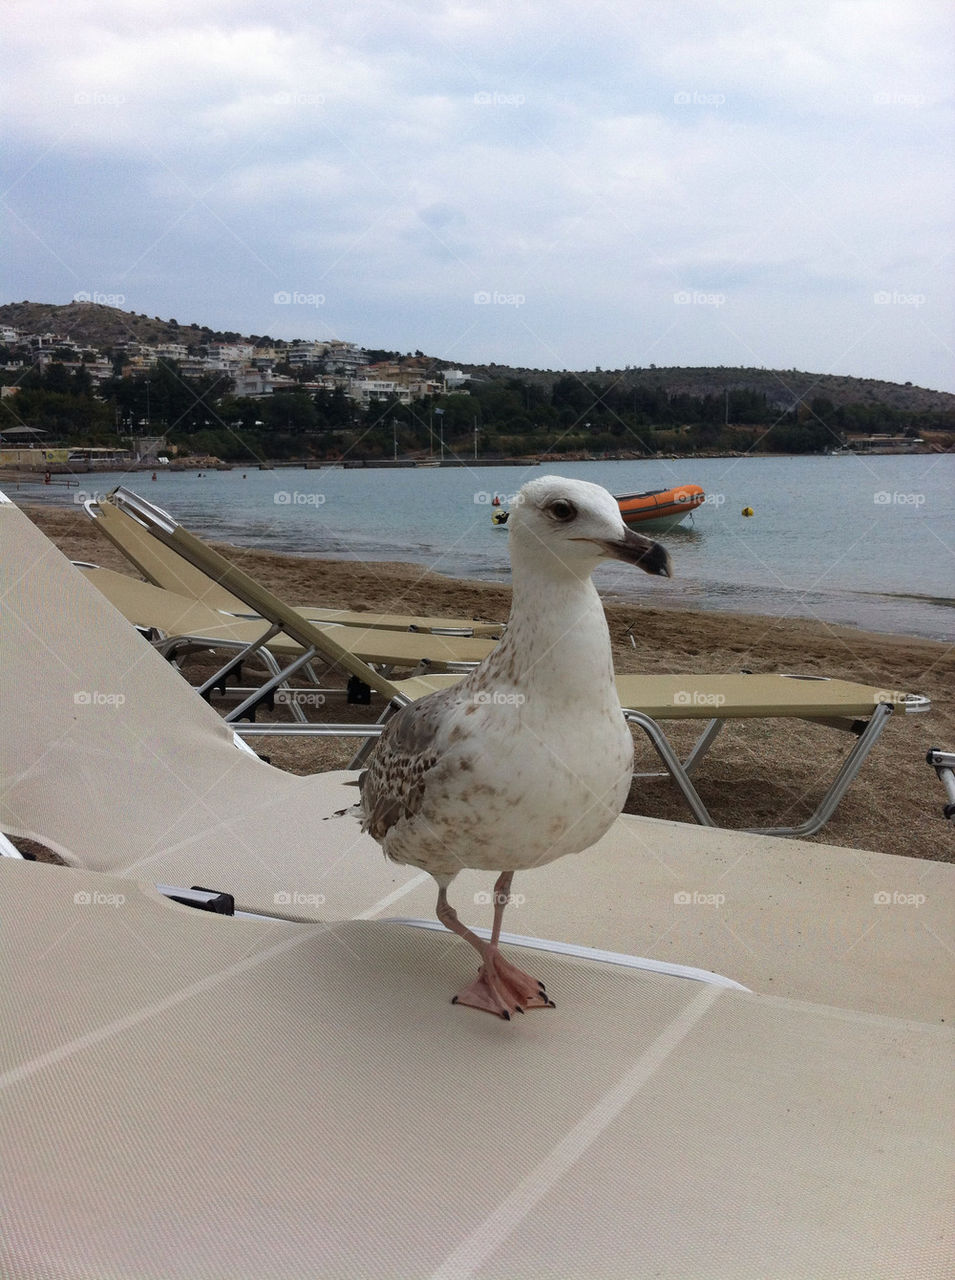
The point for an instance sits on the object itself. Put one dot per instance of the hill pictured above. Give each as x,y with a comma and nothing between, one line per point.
783,387
100,326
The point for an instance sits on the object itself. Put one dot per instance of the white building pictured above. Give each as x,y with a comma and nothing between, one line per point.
250,381
303,353
223,355
172,350
345,358
369,390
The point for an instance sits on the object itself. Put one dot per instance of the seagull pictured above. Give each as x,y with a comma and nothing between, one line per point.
529,757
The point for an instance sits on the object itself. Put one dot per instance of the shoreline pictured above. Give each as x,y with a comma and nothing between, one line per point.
915,603
756,771
414,571
617,599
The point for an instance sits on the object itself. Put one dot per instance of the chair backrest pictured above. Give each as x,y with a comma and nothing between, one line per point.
146,605
250,592
108,757
164,567
158,563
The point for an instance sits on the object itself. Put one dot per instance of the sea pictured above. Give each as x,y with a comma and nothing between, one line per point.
864,541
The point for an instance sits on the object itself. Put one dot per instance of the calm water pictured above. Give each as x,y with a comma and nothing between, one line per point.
864,541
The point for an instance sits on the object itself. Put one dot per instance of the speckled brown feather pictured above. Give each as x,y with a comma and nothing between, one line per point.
393,785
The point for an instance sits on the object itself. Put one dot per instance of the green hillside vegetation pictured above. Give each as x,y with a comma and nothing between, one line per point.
629,413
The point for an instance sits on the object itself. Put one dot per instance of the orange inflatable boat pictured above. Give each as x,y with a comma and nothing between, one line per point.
660,508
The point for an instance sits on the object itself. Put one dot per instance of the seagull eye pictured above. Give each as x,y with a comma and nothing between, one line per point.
563,510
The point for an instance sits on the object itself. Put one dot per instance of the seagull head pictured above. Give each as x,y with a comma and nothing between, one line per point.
578,524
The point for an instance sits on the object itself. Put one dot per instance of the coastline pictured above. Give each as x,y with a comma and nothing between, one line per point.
754,769
808,553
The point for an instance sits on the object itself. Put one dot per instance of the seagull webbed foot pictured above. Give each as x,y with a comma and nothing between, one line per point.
503,989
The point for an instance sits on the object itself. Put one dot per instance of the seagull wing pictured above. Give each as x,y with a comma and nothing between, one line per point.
393,786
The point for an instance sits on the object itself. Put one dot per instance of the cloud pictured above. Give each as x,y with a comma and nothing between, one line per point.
400,157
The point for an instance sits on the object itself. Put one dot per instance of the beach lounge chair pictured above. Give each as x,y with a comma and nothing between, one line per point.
112,761
183,1092
860,710
187,623
164,568
856,709
183,1095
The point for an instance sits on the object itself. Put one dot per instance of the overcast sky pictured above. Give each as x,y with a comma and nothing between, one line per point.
543,184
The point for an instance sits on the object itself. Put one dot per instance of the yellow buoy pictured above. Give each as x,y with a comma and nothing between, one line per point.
748,511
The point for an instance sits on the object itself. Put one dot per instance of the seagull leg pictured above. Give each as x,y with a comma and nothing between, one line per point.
500,986
533,990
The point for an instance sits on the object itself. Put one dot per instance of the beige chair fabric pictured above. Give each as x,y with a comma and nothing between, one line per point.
185,1095
146,605
110,758
164,568
706,697
724,697
691,696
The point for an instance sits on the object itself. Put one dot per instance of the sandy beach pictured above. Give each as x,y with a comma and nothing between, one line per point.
757,773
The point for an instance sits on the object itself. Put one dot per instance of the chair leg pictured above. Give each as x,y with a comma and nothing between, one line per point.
676,770
703,744
824,810
700,748
850,767
943,762
360,757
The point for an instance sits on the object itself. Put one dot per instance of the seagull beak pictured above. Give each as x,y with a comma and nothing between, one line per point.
634,548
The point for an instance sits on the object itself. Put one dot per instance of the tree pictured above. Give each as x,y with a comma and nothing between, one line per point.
57,378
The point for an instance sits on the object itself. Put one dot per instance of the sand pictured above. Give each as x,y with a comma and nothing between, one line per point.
758,773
